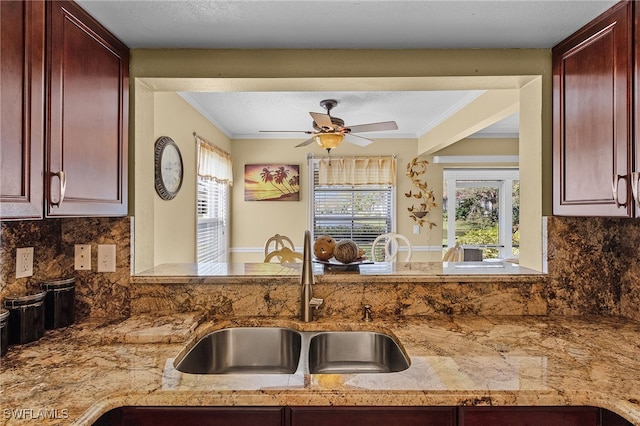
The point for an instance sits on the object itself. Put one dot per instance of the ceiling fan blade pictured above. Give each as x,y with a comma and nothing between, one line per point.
308,132
322,120
357,140
373,127
305,143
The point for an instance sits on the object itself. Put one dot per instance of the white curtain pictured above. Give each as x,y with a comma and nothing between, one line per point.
214,179
357,171
213,162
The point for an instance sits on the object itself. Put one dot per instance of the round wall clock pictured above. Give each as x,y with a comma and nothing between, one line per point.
168,168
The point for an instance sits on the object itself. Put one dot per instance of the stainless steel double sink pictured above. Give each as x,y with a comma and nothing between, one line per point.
277,350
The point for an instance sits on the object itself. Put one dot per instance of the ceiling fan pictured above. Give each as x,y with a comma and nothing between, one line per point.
329,131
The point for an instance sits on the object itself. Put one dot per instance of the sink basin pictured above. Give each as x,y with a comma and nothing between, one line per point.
244,350
355,352
276,350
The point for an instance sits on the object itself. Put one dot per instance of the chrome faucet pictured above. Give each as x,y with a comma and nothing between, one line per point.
307,301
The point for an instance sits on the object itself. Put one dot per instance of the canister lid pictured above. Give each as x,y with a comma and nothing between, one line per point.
25,299
59,284
4,314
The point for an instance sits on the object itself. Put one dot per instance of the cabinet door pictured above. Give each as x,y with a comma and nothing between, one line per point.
388,416
21,109
202,416
636,103
88,116
607,418
592,116
529,416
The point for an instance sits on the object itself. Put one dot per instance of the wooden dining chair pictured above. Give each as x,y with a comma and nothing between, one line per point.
281,248
391,247
454,254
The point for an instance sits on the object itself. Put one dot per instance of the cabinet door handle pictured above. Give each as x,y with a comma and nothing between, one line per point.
63,187
614,187
635,179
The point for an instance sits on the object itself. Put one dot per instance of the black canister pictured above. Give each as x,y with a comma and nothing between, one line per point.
59,303
4,331
26,319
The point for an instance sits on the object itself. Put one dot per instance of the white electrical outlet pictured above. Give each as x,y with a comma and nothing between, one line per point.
106,257
416,229
24,262
83,257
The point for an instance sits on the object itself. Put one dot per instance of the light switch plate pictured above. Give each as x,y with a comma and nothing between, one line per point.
24,262
83,257
416,229
106,257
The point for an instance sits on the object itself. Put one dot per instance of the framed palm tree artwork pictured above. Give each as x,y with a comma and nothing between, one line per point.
272,182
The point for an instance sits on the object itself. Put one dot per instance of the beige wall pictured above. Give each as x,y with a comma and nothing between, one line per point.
482,146
254,222
175,220
236,70
165,230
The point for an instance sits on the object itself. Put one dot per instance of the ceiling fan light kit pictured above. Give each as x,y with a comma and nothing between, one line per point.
329,131
328,140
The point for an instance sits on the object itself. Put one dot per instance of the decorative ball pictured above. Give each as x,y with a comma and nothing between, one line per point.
346,251
323,247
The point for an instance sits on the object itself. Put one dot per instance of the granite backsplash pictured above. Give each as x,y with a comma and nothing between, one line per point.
593,264
98,294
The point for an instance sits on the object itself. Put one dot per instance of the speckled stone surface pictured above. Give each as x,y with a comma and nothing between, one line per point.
594,266
566,338
265,289
593,269
98,294
82,372
280,297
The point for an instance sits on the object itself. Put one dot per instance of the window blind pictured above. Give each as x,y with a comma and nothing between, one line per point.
213,183
212,223
359,212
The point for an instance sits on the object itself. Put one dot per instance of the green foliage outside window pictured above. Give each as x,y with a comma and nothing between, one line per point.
476,218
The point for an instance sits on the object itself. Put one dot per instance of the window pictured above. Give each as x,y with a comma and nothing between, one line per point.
212,221
356,202
213,183
481,210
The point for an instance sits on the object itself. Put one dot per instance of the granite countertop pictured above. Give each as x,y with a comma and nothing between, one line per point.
78,373
335,272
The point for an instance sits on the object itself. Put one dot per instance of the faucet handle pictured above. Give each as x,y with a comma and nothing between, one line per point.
315,302
366,313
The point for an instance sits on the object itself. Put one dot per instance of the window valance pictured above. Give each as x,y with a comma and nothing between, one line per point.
213,163
357,171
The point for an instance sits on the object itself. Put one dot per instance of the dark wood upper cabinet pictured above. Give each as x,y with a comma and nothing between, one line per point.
635,174
592,117
87,109
64,113
22,109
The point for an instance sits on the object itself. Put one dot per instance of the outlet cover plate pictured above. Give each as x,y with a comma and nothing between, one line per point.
83,257
24,262
106,257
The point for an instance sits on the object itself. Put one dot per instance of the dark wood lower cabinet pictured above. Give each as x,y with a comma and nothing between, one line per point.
388,416
201,416
355,416
529,416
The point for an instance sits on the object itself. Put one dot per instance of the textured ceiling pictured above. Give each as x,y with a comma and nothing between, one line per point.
414,112
364,24
336,24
